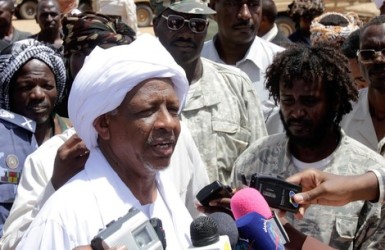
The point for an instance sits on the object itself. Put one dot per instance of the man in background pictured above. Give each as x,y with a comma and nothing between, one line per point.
48,17
268,29
237,44
8,32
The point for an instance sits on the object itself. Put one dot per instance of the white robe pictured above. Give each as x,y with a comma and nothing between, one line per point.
93,198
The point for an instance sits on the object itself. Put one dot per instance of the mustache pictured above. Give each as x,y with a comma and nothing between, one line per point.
242,23
166,137
303,122
185,40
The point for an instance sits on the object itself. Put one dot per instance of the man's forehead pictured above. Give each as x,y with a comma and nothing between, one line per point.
372,30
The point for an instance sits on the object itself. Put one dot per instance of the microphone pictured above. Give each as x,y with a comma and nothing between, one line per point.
226,226
204,235
256,222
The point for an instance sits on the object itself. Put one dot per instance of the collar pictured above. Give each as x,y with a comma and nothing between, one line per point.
271,33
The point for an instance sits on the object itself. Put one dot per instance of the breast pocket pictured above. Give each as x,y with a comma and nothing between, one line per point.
231,141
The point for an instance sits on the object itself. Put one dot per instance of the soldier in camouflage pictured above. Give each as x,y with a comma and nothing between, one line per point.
222,109
314,90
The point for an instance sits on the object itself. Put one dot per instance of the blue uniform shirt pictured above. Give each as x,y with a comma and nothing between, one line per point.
17,141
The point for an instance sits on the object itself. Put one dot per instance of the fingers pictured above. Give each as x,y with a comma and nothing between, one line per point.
74,147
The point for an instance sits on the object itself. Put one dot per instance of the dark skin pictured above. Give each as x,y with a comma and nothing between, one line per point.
72,153
373,37
6,13
48,17
184,45
33,94
304,107
139,137
237,27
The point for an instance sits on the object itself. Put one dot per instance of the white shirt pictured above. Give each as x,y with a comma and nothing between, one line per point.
187,171
271,33
257,59
75,213
358,123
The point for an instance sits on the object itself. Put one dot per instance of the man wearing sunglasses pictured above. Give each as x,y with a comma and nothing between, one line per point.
366,122
222,109
237,43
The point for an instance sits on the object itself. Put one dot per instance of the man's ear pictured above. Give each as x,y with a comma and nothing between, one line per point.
102,126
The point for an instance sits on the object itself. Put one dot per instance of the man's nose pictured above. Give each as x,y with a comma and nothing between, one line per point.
244,12
297,111
165,120
37,93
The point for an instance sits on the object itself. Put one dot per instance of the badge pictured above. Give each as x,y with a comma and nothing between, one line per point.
12,161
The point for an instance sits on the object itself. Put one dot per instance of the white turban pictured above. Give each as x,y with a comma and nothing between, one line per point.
109,74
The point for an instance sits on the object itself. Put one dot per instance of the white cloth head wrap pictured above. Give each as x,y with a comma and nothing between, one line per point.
109,74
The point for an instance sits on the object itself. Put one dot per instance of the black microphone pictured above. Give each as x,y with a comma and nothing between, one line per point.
158,227
226,226
204,235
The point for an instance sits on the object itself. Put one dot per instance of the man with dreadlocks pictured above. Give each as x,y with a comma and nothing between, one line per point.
314,92
32,78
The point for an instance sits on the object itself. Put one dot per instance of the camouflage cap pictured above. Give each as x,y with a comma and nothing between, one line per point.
184,6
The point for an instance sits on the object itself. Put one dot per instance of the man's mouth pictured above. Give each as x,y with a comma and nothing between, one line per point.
163,149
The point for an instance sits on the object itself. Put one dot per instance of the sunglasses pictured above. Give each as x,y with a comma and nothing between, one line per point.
196,25
369,55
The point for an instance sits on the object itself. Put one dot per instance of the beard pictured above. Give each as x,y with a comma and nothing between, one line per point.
317,131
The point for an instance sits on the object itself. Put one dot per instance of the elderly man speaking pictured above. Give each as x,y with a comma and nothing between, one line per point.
124,104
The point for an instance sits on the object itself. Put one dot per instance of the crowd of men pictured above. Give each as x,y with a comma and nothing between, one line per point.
96,119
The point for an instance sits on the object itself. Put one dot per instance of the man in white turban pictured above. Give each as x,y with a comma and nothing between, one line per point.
124,104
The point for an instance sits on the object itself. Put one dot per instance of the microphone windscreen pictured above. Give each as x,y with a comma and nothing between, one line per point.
249,200
259,231
203,231
226,226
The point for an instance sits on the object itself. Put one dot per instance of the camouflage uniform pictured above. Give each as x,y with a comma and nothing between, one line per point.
224,117
357,225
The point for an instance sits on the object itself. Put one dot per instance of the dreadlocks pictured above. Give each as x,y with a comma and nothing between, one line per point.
311,65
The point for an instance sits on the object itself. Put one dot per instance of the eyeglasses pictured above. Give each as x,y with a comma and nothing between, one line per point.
196,25
369,55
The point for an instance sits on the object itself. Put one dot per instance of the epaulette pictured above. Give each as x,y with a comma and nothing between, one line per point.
18,120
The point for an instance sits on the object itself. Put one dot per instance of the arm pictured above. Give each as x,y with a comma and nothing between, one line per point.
334,190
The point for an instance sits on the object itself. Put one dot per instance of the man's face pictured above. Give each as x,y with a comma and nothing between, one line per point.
373,38
48,17
184,45
5,18
304,112
238,20
33,91
145,128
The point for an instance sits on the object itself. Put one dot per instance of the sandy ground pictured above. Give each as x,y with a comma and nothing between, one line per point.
33,27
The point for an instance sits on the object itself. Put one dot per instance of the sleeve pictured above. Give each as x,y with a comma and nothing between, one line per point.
46,234
32,192
199,179
380,174
32,184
